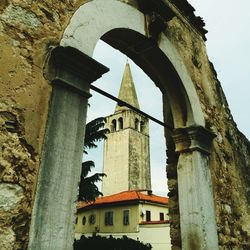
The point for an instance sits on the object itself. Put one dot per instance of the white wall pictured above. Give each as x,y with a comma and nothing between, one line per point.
157,235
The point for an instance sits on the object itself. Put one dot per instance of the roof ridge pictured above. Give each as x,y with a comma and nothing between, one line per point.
125,196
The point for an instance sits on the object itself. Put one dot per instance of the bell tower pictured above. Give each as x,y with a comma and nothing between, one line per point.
126,149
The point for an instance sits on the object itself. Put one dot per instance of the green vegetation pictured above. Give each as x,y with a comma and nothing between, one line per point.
103,243
95,131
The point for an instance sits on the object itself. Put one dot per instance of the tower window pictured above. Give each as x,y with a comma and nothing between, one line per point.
126,217
142,126
137,125
148,215
109,218
120,123
113,126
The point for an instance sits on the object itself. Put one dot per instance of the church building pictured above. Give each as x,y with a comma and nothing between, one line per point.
126,150
128,206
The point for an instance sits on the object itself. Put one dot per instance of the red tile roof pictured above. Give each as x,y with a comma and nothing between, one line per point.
125,196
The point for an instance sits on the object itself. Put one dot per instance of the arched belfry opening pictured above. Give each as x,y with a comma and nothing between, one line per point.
120,122
113,126
137,125
130,30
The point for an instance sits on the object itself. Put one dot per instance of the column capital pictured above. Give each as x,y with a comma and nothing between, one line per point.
192,139
73,69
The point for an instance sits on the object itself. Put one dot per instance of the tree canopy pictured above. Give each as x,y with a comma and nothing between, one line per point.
95,131
111,243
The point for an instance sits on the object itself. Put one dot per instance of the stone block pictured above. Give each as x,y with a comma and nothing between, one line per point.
18,15
10,196
7,239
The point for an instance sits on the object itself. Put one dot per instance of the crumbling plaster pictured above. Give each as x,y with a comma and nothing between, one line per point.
28,30
230,156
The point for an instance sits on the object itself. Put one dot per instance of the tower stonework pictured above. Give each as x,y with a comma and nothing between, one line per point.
126,149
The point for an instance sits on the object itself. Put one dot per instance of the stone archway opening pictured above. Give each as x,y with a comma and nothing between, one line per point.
182,110
111,82
147,94
178,113
146,54
149,99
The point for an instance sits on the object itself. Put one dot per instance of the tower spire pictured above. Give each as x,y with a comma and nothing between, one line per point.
126,158
127,91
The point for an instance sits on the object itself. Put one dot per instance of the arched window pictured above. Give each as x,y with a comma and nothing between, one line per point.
92,219
142,126
137,124
120,123
83,220
113,126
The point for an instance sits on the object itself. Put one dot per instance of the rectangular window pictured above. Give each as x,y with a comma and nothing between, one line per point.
109,218
148,215
126,217
92,219
161,216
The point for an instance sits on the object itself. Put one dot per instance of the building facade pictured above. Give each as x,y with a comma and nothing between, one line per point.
138,215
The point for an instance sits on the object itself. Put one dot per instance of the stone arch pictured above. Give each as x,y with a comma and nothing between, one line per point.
116,23
124,27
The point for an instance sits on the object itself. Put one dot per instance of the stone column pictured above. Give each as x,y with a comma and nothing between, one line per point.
53,216
196,204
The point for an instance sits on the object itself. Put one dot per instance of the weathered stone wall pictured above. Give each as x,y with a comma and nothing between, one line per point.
28,30
230,159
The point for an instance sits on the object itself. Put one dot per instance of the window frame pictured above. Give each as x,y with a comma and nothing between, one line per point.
126,215
109,218
161,216
148,215
92,219
84,220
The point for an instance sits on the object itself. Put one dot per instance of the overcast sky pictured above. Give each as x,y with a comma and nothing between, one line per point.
228,46
228,49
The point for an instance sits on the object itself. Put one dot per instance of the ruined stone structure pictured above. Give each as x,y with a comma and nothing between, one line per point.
44,91
126,149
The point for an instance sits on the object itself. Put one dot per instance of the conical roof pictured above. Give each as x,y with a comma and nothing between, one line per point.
127,91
